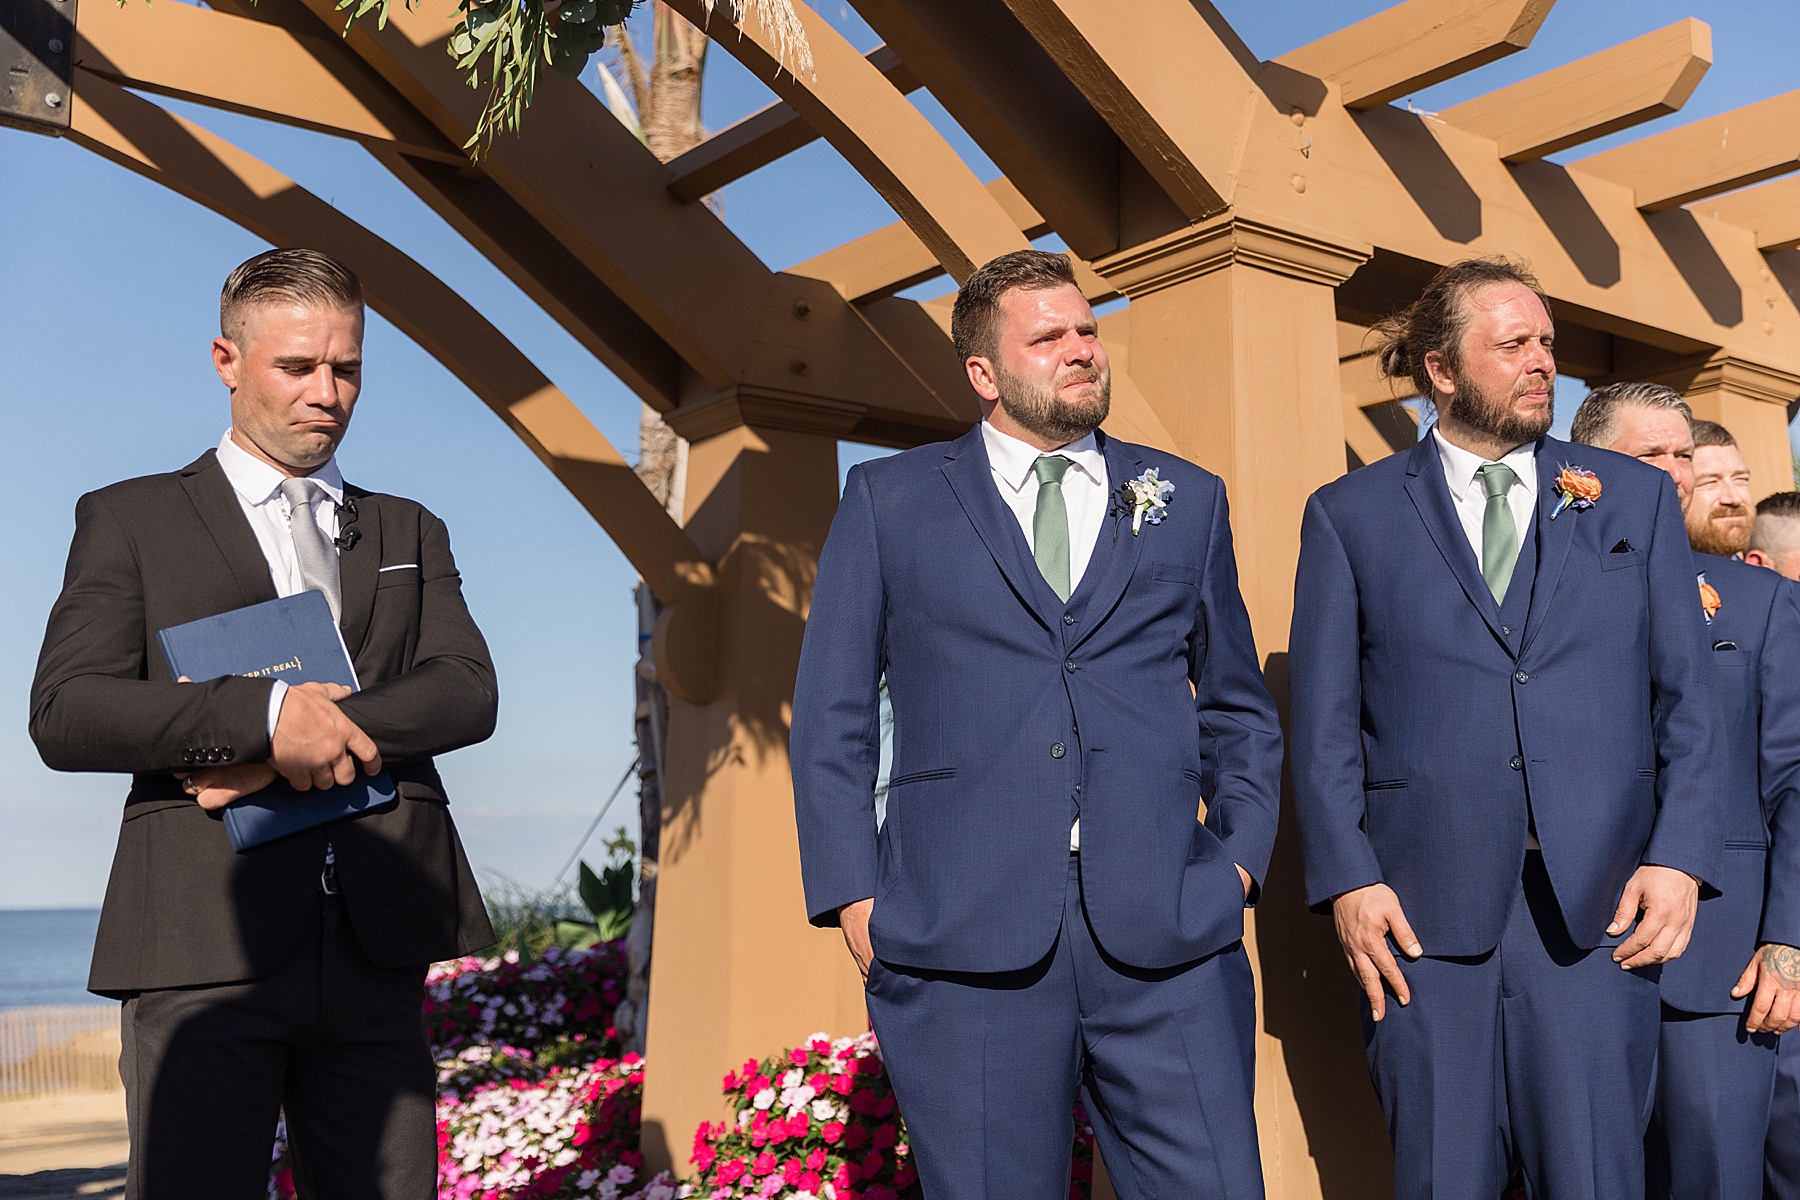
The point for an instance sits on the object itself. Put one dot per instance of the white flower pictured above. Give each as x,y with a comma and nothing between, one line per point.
764,1099
620,1174
793,1078
823,1110
1148,498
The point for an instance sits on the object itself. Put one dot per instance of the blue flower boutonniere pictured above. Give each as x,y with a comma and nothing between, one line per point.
1145,498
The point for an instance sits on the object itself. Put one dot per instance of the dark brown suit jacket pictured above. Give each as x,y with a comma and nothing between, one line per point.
181,907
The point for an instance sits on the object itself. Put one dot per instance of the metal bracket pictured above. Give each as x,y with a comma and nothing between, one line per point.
37,64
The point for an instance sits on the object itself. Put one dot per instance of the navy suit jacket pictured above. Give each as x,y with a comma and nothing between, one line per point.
1425,730
1755,637
1013,712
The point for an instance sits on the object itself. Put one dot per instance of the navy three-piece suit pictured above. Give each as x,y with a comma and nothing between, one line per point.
1009,971
1714,1079
1434,731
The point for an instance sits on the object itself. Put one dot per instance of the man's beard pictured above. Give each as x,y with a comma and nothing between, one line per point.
1499,419
1045,412
1725,530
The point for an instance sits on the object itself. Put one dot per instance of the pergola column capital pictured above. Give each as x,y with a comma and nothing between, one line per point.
1231,240
764,408
1743,378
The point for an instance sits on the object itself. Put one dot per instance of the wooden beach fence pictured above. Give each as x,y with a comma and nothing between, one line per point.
52,1050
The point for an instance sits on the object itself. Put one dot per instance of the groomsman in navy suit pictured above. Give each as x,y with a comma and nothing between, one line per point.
1042,913
1505,761
1720,1017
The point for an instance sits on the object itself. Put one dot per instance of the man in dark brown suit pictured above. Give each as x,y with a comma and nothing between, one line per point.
287,977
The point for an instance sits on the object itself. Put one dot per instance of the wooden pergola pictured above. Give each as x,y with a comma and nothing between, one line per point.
1258,215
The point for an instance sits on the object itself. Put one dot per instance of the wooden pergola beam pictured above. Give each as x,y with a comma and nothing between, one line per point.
197,54
1637,81
761,138
1770,211
1038,128
1176,99
1706,158
206,168
1416,44
880,133
892,258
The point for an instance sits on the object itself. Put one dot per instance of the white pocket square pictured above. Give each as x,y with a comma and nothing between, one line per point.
399,567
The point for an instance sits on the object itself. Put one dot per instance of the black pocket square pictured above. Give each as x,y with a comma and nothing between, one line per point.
1624,547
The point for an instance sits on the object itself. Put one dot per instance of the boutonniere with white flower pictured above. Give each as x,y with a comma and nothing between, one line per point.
1145,498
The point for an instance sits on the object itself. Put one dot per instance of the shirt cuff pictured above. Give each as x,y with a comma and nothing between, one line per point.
276,695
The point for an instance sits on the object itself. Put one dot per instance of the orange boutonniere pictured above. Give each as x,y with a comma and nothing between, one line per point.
1575,488
1710,604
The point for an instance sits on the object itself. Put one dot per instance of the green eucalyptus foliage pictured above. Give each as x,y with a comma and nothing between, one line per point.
508,42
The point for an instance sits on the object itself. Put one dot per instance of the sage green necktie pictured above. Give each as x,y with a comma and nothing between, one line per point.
1499,535
1050,525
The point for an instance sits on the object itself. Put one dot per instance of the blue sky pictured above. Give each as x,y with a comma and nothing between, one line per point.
110,304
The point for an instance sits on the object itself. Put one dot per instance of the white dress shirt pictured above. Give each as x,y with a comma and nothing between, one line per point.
1084,495
258,489
1470,497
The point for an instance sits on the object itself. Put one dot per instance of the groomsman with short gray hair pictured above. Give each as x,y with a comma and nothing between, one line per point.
1737,989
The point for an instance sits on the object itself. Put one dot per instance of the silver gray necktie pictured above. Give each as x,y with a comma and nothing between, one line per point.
312,549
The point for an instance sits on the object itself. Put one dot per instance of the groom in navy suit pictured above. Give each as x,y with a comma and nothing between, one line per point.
1506,759
1042,913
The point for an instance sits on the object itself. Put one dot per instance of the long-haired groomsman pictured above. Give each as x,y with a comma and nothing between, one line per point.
1727,1000
1504,732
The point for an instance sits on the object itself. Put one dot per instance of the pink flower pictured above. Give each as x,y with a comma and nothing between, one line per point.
809,1181
790,1170
797,1057
832,1131
765,1162
732,1171
815,1161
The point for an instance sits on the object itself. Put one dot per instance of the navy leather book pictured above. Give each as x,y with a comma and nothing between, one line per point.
292,639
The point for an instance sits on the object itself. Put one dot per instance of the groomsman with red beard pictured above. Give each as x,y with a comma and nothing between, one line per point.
1728,999
1719,514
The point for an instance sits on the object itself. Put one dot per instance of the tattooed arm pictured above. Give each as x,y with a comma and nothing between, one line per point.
1774,977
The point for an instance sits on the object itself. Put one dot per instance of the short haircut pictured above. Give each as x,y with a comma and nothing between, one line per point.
975,320
1711,433
1774,531
1597,420
1436,320
297,276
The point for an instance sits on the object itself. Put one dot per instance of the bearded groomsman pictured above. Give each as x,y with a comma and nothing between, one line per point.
1042,913
1720,1017
1504,724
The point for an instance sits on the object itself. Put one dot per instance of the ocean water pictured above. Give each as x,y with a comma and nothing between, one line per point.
44,956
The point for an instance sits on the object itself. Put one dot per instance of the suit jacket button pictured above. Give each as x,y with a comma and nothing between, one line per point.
212,756
1069,665
1068,618
1516,763
187,756
1521,676
1058,750
225,755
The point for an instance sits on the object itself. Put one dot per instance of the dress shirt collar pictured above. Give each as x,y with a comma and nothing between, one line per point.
1461,465
258,483
1013,460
